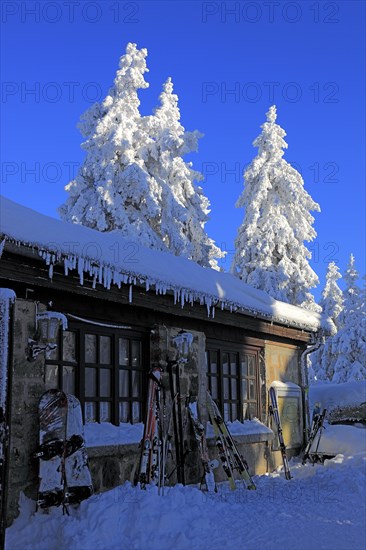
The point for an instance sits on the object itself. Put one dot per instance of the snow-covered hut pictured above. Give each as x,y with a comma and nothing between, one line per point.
120,307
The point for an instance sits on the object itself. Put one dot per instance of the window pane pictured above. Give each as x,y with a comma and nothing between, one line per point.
136,384
124,412
244,389
53,354
226,388
225,363
68,379
251,365
90,412
104,411
105,350
233,388
233,365
105,382
251,389
246,411
234,414
136,353
213,362
69,347
123,351
136,412
252,410
226,412
51,375
123,383
214,391
90,382
90,348
244,365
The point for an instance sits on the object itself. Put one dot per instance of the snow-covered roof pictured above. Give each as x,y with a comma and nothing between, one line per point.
110,259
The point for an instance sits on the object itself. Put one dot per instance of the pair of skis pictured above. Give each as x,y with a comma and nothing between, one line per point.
156,441
229,454
317,426
273,410
150,466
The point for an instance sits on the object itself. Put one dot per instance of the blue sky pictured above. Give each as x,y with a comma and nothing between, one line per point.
229,62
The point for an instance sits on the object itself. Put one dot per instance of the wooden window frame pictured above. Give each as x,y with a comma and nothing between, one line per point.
220,348
81,329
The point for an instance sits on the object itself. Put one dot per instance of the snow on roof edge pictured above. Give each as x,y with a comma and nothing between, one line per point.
99,255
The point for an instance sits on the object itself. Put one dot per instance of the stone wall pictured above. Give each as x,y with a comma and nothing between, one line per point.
26,388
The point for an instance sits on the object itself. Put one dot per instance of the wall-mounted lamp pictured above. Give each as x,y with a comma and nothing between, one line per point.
45,339
183,342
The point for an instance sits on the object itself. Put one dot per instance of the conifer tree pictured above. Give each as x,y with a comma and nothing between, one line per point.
332,306
113,190
184,207
350,341
134,179
270,253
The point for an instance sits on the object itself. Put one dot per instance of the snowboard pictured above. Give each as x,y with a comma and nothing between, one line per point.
64,475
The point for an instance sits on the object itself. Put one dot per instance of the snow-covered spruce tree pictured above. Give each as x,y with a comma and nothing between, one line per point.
134,179
113,190
322,361
269,249
184,207
350,341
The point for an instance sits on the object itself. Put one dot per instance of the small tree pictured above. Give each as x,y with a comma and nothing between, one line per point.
350,341
269,249
184,207
332,306
113,190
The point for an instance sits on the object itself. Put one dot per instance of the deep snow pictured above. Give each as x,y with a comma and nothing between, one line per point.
322,507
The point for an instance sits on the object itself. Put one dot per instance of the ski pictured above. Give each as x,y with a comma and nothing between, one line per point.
149,465
273,409
199,433
312,432
176,398
236,460
316,430
220,444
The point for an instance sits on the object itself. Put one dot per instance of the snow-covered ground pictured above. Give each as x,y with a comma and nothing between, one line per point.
322,507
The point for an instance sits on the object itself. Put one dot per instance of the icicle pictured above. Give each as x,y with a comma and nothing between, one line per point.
213,312
130,295
81,270
50,271
2,245
147,285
